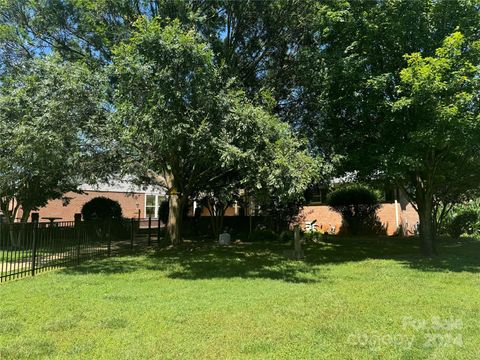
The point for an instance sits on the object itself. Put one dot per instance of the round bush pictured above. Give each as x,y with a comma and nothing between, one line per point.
463,223
352,195
358,205
102,208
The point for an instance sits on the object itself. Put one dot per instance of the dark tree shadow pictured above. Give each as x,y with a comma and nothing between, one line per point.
264,261
198,261
454,255
107,265
208,261
461,255
338,249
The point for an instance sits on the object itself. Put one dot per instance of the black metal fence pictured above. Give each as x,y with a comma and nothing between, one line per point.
28,249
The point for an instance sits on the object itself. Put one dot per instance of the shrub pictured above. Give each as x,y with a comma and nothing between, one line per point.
465,222
102,208
313,236
358,205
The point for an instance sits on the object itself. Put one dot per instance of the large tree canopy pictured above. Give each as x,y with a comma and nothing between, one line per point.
48,110
346,77
167,108
332,69
255,41
349,86
435,134
179,121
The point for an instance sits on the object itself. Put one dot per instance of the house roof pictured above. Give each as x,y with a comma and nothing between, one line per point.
123,186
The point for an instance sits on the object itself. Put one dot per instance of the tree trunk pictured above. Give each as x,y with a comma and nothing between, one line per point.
10,215
175,210
175,216
23,227
217,215
427,231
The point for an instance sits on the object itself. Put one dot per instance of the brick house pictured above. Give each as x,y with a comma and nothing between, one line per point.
135,201
395,213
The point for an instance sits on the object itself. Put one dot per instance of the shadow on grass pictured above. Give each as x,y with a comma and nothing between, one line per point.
454,255
206,261
266,260
111,265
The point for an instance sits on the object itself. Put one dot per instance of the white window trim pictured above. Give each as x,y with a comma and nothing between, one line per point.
157,203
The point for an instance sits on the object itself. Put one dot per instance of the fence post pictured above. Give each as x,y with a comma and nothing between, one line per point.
34,247
158,232
104,233
109,235
150,230
132,233
78,227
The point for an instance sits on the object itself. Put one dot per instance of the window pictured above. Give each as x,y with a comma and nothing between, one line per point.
316,194
152,203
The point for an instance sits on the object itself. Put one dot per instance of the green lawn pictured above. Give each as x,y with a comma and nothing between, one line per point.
350,299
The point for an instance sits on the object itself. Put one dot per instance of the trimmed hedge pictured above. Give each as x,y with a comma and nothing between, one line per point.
358,205
102,208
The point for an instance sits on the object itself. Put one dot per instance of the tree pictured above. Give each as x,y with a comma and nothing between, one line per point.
437,129
347,81
49,110
346,76
166,101
262,159
181,123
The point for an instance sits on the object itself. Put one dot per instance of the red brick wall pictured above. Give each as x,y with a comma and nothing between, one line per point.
386,215
230,211
130,204
327,218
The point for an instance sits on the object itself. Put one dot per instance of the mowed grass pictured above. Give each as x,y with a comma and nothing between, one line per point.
349,299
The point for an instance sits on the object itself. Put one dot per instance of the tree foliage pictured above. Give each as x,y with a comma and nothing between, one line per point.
437,122
180,122
49,110
248,37
464,222
351,98
332,69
